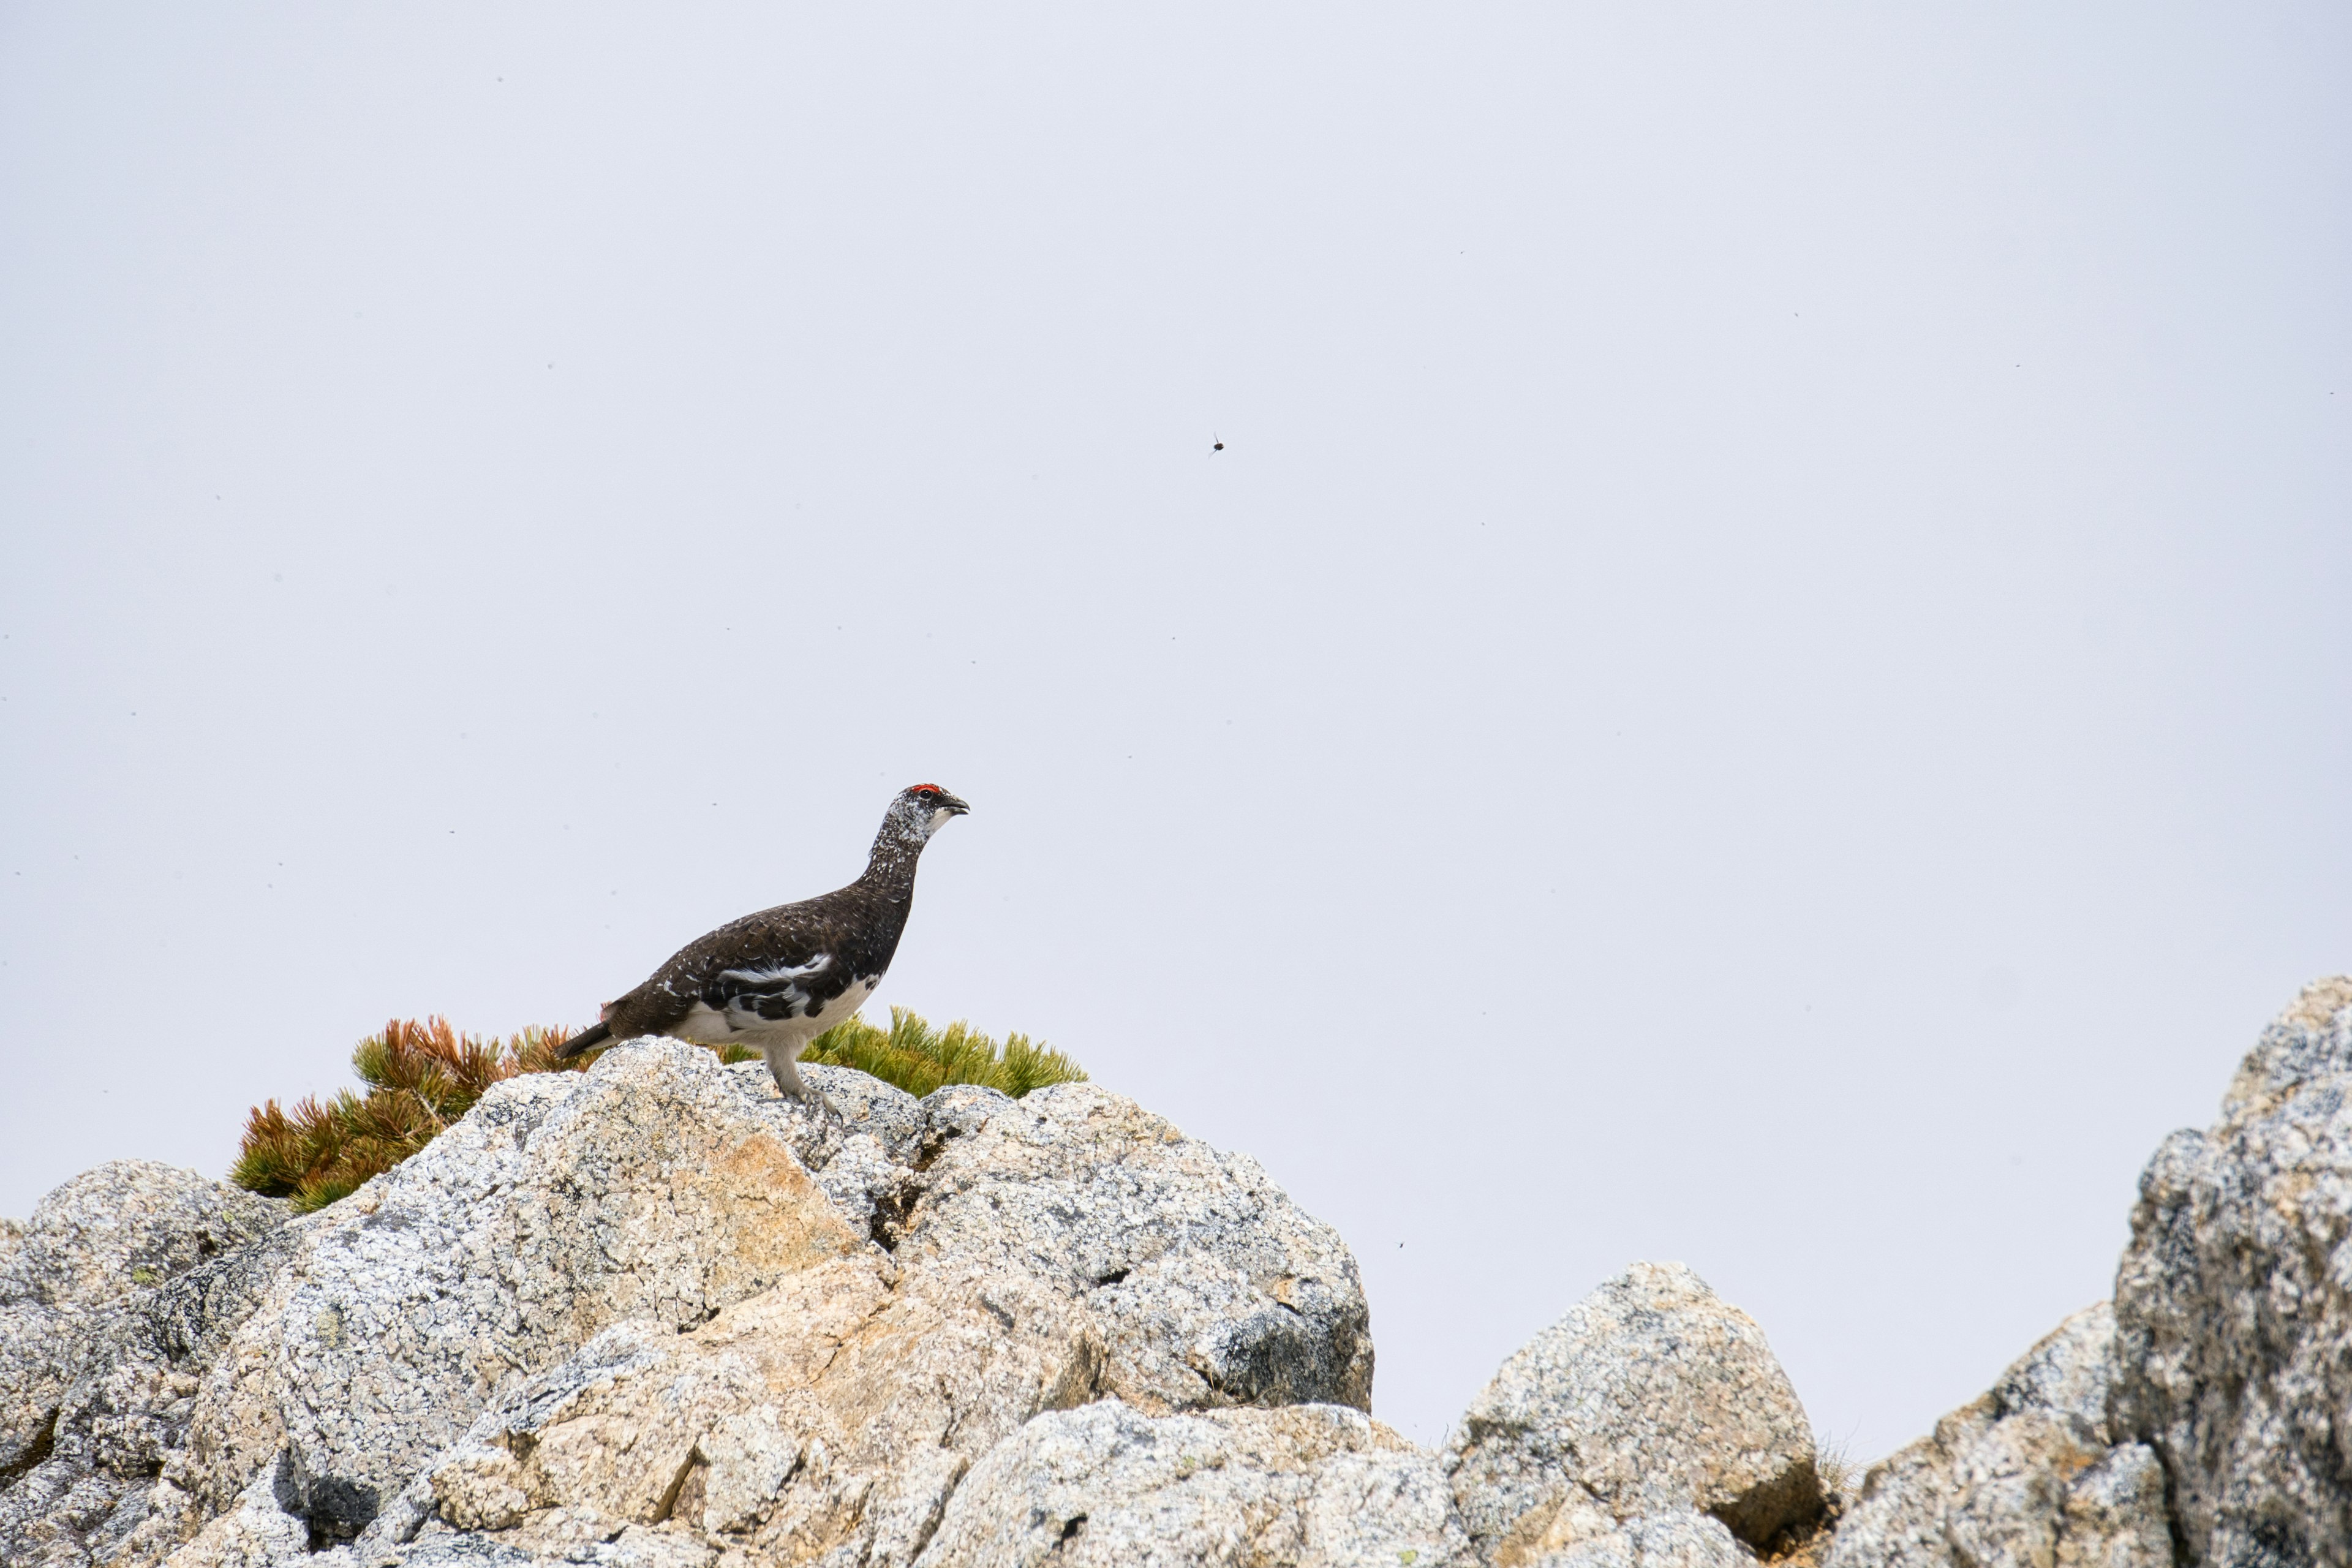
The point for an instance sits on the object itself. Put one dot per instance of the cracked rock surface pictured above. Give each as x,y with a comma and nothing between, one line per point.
2234,1305
654,1316
108,1295
2029,1473
1105,1486
651,1313
1652,1397
2198,1420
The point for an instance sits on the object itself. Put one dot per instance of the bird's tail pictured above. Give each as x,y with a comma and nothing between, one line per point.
587,1040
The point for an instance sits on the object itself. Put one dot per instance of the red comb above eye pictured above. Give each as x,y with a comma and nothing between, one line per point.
926,789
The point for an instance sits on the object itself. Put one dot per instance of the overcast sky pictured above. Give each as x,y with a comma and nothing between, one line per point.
1763,678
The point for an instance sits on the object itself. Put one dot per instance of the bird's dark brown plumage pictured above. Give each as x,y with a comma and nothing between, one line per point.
779,978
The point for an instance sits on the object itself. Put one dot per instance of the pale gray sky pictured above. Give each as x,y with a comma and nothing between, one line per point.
1764,677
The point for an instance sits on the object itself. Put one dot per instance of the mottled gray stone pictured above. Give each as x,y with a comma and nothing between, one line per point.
656,1185
1108,1486
2026,1476
97,1247
101,1298
1043,1253
653,1314
1679,1538
2233,1304
1652,1395
1201,1283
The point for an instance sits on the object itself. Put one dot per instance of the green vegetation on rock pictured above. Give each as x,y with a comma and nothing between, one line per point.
421,1076
920,1058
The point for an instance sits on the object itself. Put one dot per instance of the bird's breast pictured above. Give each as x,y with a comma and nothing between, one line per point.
756,1019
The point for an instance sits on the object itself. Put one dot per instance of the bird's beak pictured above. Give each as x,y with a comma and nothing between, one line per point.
953,804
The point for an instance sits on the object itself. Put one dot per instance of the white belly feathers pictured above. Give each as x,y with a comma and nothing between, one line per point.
706,1025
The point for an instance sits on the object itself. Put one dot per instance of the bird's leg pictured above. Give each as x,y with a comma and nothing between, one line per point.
794,1087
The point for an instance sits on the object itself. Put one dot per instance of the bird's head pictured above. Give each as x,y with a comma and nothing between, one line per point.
921,810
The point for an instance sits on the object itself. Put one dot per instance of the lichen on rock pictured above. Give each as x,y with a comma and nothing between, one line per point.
654,1307
108,1299
1652,1395
2233,1304
2028,1473
652,1316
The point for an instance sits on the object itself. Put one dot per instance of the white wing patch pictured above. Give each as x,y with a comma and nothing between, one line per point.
814,966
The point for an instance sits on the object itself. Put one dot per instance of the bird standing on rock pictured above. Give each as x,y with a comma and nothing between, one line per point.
779,979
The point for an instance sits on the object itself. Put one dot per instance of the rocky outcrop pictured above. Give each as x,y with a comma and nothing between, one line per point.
1063,1248
654,1316
2201,1420
1107,1486
1652,1397
656,1189
103,1296
2030,1473
2233,1304
656,1297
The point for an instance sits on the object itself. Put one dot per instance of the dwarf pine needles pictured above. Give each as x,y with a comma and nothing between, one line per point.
919,1057
421,1076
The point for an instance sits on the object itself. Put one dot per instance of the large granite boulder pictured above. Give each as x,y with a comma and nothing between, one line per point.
654,1316
2029,1475
653,1188
1108,1487
654,1305
2201,1419
1652,1397
104,1296
2233,1304
1052,1251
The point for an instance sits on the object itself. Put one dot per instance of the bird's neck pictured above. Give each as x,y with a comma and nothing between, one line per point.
891,867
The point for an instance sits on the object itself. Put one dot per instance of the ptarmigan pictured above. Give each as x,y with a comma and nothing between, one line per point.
779,979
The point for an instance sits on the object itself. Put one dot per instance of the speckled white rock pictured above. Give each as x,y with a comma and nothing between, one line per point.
1048,1252
656,1185
258,1534
2233,1304
1677,1539
2027,1475
1201,1283
109,1275
102,1243
654,1313
1653,1395
1316,1485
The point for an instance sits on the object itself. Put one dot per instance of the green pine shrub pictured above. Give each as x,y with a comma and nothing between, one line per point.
920,1058
421,1076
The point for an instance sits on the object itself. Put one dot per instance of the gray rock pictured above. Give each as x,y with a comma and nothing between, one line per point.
2026,1476
107,1277
2233,1304
98,1245
1677,1539
1652,1397
1043,1254
1202,1284
656,1185
258,1533
1312,1484
653,1315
